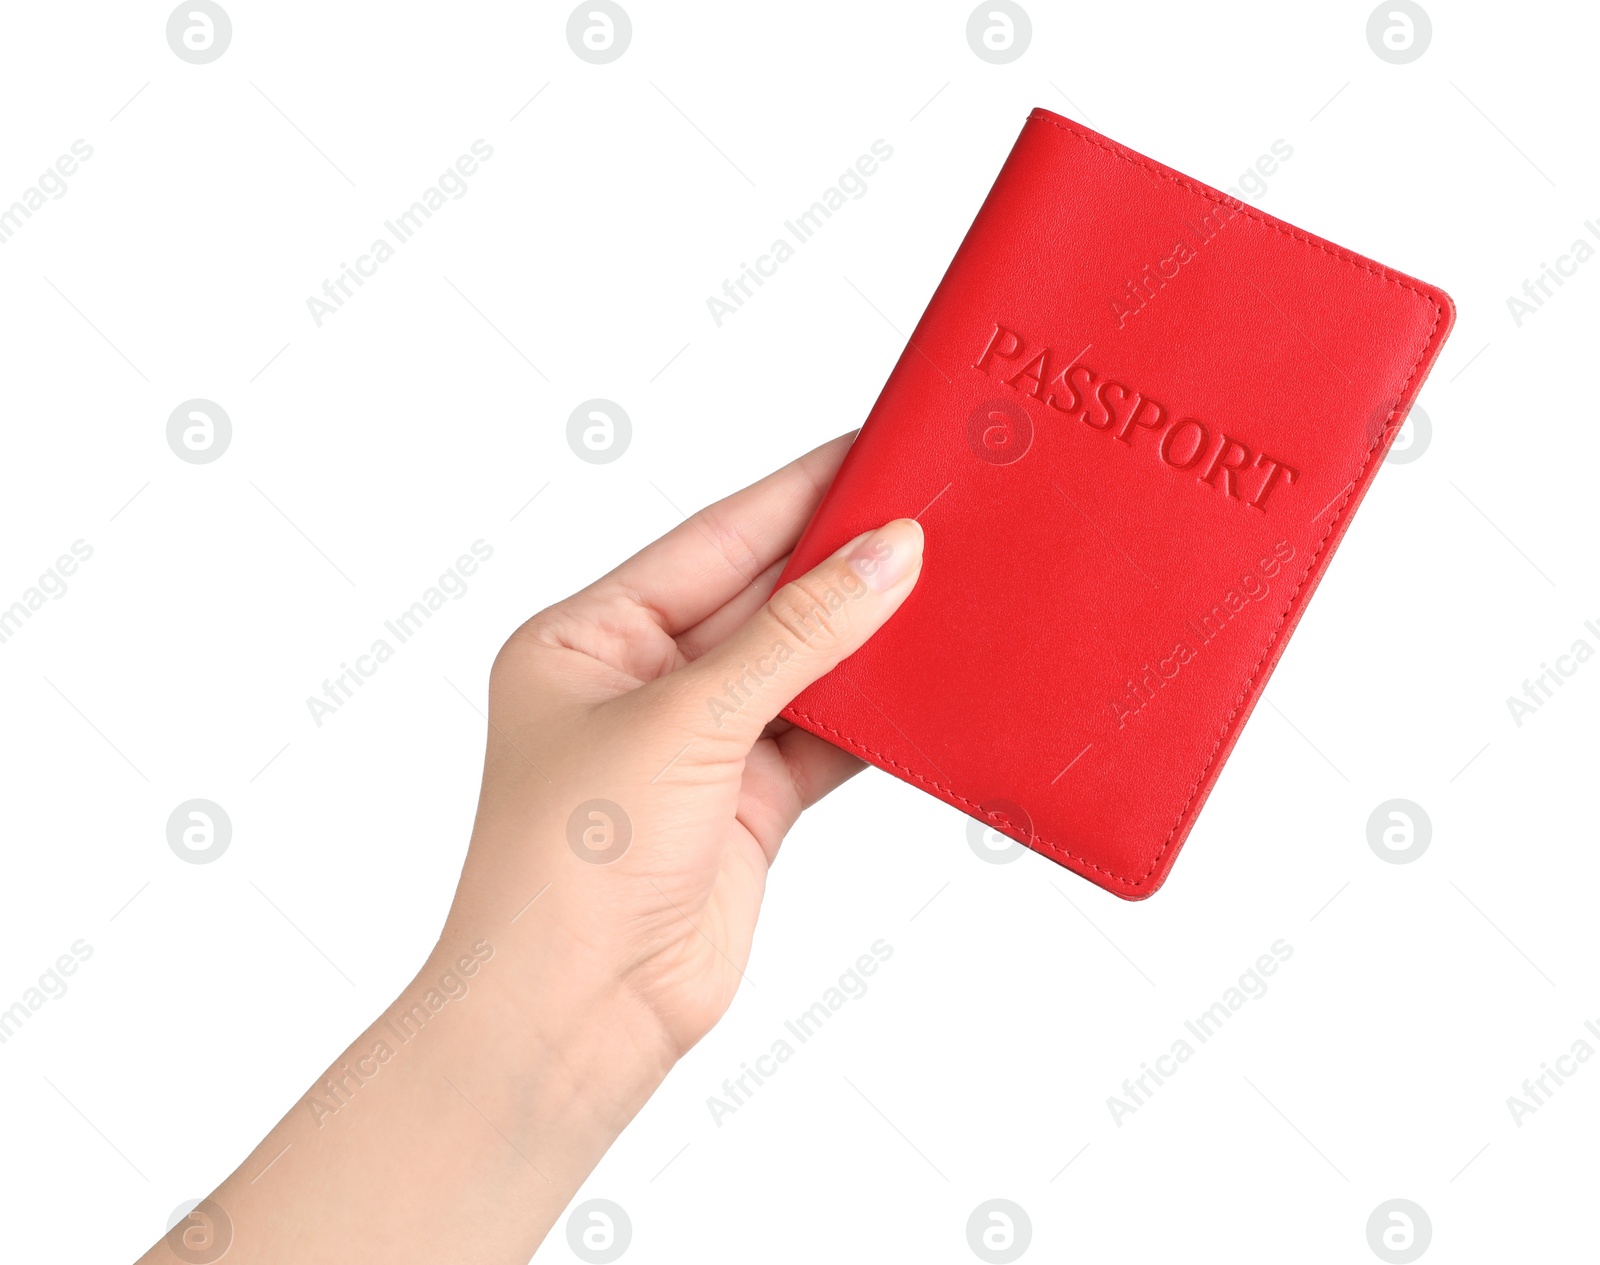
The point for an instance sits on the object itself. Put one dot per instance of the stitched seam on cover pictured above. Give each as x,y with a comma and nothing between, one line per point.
1245,208
1333,523
906,768
1272,639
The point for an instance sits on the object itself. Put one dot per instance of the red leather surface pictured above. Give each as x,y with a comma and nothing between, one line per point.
1095,620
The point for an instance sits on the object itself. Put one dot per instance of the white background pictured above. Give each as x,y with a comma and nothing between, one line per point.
368,453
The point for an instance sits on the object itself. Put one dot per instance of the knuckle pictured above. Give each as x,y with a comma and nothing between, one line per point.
811,611
509,665
728,539
547,628
543,630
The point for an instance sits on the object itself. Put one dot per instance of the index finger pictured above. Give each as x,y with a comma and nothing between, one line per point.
721,550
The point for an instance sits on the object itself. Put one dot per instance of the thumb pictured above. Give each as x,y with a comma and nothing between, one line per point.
806,628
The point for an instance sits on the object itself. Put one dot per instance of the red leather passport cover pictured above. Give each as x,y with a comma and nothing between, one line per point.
1134,422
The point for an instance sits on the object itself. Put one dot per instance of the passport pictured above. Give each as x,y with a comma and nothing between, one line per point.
1134,422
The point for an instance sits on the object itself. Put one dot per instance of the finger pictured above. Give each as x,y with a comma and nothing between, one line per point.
783,778
807,628
815,766
698,566
716,627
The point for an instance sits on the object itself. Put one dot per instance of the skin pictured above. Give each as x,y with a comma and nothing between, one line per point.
567,983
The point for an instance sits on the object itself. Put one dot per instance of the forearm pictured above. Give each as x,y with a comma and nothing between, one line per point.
457,1127
606,906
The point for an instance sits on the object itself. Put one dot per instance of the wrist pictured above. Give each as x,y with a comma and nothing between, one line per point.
557,1040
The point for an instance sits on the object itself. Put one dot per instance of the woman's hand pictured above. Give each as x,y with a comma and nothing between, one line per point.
636,789
634,765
